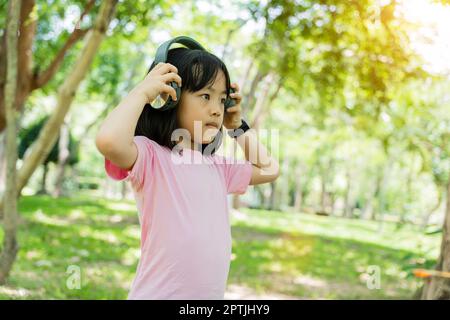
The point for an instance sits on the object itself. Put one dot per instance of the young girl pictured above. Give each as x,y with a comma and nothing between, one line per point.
182,205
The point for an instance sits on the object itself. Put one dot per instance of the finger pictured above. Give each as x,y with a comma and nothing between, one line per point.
157,67
164,95
167,67
235,86
172,77
170,91
233,109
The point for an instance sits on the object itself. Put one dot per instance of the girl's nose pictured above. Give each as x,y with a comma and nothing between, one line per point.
216,111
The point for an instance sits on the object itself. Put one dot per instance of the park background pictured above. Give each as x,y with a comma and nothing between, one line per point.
357,91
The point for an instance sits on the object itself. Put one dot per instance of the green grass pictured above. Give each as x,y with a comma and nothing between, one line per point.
299,255
101,237
325,257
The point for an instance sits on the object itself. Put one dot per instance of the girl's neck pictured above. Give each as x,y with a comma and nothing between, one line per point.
190,145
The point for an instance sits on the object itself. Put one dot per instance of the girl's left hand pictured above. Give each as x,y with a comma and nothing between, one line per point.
232,118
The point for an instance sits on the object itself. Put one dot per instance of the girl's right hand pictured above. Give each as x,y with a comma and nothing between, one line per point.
156,82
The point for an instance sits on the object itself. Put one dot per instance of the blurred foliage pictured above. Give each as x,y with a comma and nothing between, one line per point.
28,136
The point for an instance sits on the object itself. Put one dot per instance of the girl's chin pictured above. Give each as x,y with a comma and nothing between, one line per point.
207,140
209,135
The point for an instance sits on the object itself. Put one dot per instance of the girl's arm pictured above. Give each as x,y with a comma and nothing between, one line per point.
115,136
265,167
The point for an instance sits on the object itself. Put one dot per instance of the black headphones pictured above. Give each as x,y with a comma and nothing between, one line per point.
161,56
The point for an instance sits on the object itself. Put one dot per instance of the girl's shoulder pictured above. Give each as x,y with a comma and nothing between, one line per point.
149,143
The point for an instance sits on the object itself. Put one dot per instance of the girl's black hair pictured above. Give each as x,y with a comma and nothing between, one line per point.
197,69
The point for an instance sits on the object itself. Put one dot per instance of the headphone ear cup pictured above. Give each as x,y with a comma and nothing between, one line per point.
170,103
229,102
174,85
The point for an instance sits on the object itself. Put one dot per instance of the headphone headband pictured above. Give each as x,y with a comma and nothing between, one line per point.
161,56
161,53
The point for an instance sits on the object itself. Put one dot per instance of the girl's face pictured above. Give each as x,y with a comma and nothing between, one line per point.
201,113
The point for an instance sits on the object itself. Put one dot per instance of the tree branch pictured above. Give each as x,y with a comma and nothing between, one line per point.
40,80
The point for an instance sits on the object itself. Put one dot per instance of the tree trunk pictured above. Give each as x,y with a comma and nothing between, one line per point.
332,197
284,192
27,29
250,97
259,114
347,209
261,195
367,211
10,245
323,193
2,163
63,157
261,101
273,189
27,79
228,38
438,288
377,195
407,205
244,80
124,190
298,200
43,189
382,195
48,135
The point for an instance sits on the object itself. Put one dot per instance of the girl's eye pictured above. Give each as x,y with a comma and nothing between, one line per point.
205,94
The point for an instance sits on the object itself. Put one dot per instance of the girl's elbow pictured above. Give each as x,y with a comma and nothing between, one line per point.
273,171
104,143
276,170
276,175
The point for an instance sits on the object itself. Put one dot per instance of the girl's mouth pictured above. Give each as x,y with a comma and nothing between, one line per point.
212,125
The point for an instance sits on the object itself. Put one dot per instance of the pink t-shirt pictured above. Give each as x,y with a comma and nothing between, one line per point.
181,200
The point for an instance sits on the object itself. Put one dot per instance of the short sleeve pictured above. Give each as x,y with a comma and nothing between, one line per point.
237,174
141,168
